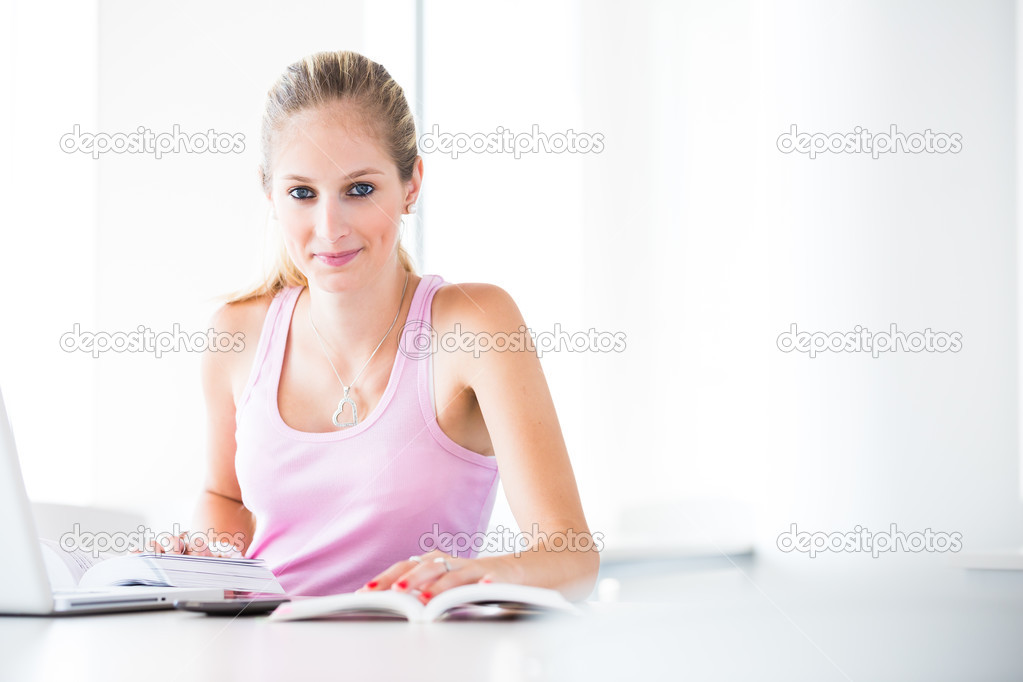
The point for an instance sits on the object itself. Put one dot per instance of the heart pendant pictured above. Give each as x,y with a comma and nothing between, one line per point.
337,415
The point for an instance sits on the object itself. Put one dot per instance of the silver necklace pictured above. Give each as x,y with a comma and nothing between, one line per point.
340,406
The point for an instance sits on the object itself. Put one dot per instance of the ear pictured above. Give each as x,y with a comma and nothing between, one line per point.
269,199
413,186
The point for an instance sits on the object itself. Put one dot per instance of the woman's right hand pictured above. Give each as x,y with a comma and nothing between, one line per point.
181,544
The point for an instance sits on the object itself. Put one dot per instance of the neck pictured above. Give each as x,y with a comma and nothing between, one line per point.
352,322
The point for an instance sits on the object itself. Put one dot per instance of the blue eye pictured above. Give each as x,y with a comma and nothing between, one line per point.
362,194
309,192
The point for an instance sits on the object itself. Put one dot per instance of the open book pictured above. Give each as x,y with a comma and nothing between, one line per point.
479,600
68,569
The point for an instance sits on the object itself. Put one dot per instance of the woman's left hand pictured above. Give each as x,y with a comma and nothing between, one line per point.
427,578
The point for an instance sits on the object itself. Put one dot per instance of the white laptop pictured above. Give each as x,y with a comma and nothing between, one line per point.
24,586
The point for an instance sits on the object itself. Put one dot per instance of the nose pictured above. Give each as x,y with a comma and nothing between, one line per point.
330,222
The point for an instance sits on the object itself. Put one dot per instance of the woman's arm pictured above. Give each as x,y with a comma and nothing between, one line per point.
531,455
220,513
535,468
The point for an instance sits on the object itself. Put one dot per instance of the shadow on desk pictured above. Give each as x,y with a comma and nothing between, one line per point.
470,613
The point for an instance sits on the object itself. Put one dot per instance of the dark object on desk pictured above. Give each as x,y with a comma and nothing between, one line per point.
239,606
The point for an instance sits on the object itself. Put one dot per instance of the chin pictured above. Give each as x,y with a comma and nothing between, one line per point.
336,281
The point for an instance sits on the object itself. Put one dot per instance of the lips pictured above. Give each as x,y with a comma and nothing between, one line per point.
339,258
338,254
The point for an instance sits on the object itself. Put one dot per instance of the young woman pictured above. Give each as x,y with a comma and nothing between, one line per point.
348,444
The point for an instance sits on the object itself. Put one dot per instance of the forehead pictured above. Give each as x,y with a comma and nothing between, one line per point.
326,143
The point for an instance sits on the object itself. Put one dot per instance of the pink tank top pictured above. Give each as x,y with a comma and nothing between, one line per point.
334,509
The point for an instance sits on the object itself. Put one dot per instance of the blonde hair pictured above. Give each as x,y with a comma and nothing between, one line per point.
324,78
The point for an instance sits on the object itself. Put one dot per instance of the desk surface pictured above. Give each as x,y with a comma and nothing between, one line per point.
924,621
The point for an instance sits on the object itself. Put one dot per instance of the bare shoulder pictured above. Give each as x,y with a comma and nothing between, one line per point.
243,320
242,316
478,307
490,316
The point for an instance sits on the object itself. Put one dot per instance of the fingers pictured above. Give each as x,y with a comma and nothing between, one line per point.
154,547
179,544
182,543
388,578
425,573
427,577
200,549
466,575
435,579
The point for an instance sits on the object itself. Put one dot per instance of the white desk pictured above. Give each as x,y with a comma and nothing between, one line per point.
872,620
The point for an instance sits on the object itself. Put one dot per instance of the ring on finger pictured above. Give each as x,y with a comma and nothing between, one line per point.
443,560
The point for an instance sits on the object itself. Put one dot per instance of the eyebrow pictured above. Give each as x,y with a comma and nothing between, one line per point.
356,174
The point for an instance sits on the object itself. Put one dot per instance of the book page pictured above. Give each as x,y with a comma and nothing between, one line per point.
351,604
472,602
70,565
176,570
510,598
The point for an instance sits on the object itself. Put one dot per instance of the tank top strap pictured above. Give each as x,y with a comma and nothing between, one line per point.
416,336
427,288
272,338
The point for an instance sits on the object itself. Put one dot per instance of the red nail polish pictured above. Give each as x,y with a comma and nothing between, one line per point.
402,584
372,584
486,580
425,595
